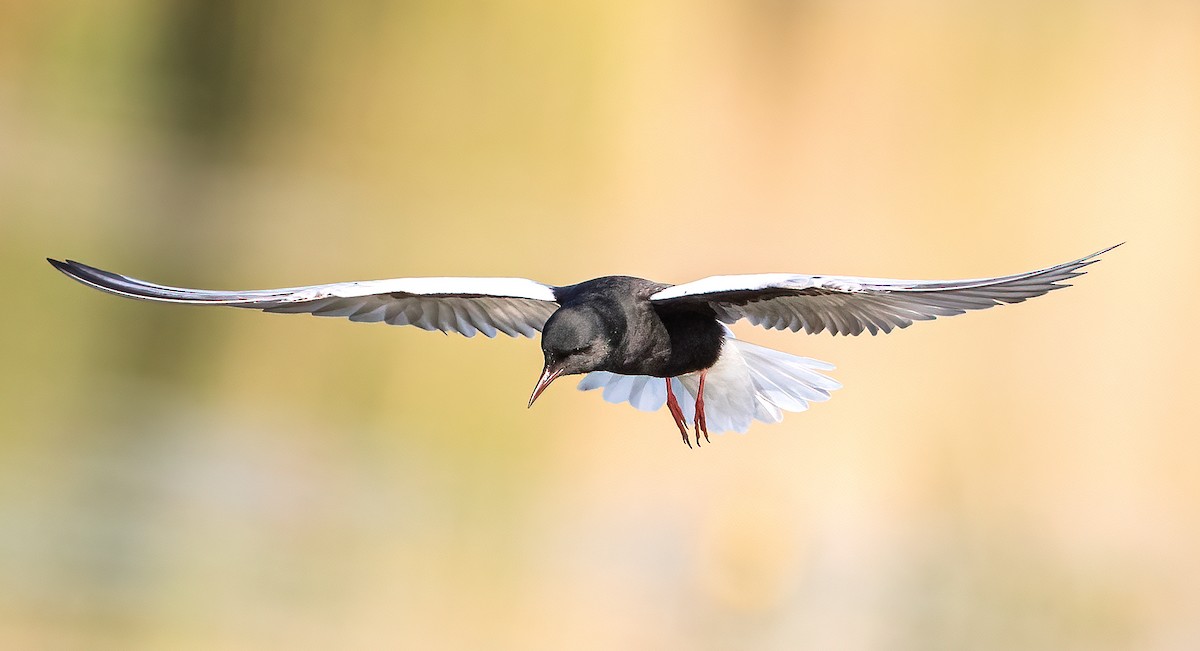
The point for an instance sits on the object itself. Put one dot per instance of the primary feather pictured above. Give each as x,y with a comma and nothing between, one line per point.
514,306
850,305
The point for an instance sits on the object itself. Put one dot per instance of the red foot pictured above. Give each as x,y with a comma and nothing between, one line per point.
701,421
677,413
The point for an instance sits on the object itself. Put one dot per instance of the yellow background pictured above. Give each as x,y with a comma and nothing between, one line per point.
190,478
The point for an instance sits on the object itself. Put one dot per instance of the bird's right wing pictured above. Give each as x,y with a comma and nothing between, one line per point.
849,305
514,306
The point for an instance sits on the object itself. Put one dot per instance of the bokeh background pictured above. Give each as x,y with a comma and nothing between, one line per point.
191,478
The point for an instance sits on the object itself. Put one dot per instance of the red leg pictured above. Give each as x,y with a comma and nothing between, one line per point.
701,421
677,413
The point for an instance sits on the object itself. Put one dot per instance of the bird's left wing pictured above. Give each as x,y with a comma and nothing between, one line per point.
849,306
514,306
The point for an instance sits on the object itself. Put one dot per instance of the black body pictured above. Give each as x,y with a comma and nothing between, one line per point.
609,324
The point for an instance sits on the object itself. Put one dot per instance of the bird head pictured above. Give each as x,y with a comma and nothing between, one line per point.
573,342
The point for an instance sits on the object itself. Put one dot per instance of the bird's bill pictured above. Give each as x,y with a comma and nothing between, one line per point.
548,375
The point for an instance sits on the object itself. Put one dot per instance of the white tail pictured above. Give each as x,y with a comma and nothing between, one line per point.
748,382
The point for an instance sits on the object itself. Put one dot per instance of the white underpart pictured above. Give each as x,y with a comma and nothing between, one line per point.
729,391
748,382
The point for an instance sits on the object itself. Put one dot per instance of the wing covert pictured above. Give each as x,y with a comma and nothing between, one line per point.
851,305
514,306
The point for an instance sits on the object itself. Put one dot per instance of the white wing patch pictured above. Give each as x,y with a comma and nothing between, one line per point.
849,305
742,282
514,306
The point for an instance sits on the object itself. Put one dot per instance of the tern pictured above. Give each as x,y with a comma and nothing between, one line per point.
643,342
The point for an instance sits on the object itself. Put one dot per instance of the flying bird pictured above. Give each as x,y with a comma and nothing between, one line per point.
640,341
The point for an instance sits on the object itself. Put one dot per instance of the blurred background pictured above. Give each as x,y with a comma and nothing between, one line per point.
189,478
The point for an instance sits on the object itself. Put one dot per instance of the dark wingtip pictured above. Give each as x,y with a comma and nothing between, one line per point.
82,273
1095,257
64,267
71,268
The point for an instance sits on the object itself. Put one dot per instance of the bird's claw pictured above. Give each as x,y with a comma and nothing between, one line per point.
701,426
701,421
677,414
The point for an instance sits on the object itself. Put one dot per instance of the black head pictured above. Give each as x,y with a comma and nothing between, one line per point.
573,341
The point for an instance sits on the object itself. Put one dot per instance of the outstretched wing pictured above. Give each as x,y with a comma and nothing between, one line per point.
514,306
847,305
